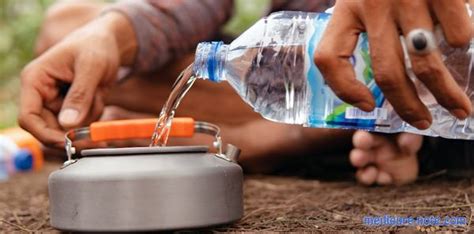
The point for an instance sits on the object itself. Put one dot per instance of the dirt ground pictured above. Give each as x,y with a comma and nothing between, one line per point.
278,203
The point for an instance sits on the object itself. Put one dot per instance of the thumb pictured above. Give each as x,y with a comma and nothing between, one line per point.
78,100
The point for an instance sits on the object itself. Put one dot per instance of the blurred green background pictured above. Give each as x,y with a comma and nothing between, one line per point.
19,24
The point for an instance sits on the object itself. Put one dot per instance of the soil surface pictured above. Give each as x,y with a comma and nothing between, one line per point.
279,203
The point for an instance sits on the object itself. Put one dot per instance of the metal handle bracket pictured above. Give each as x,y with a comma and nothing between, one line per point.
231,154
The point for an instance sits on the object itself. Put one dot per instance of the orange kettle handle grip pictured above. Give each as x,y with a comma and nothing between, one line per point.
137,129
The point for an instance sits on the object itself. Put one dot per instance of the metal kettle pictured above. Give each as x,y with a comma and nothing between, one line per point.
145,188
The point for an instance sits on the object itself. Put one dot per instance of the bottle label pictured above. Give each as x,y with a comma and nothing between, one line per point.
327,110
356,113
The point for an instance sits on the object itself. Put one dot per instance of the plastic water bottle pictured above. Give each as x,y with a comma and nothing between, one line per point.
19,152
271,67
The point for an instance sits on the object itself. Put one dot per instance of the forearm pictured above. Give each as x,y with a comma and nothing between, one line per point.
265,144
164,30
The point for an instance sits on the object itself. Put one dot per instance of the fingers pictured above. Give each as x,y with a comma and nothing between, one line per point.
429,67
366,141
367,176
332,58
382,20
383,178
370,175
37,120
361,158
389,70
454,20
365,145
54,105
433,73
96,109
79,99
385,160
409,144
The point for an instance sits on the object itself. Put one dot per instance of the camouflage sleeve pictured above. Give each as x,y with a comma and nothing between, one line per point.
165,29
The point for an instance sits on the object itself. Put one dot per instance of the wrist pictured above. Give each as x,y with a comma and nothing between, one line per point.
122,30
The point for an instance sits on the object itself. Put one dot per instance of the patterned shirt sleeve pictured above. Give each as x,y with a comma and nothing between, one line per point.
302,5
165,29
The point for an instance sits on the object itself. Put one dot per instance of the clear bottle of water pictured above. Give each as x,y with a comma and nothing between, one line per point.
271,67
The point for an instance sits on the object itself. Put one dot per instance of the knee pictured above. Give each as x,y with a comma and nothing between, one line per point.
73,12
64,17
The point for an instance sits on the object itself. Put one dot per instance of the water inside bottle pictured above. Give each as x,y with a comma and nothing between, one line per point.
181,86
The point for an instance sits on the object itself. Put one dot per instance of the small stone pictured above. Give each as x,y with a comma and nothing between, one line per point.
337,217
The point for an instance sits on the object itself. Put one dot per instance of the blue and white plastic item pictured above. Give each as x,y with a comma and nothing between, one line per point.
13,159
271,67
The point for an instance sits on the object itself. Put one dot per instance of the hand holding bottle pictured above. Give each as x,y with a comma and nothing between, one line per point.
384,21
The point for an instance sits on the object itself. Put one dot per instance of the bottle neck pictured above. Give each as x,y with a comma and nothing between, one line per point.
210,61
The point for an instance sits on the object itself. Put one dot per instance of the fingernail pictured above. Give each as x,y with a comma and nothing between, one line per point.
459,113
422,124
364,106
68,117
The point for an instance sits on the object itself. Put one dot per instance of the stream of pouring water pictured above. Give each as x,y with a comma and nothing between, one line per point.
180,88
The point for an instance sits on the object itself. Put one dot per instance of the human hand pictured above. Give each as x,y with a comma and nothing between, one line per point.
88,60
385,159
383,20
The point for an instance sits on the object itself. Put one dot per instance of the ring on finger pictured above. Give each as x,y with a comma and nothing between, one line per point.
420,41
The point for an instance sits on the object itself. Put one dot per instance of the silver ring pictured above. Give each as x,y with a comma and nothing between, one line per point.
420,41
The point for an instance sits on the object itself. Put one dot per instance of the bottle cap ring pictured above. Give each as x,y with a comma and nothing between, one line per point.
420,41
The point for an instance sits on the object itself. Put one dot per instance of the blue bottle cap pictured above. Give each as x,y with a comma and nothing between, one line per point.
23,160
213,60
